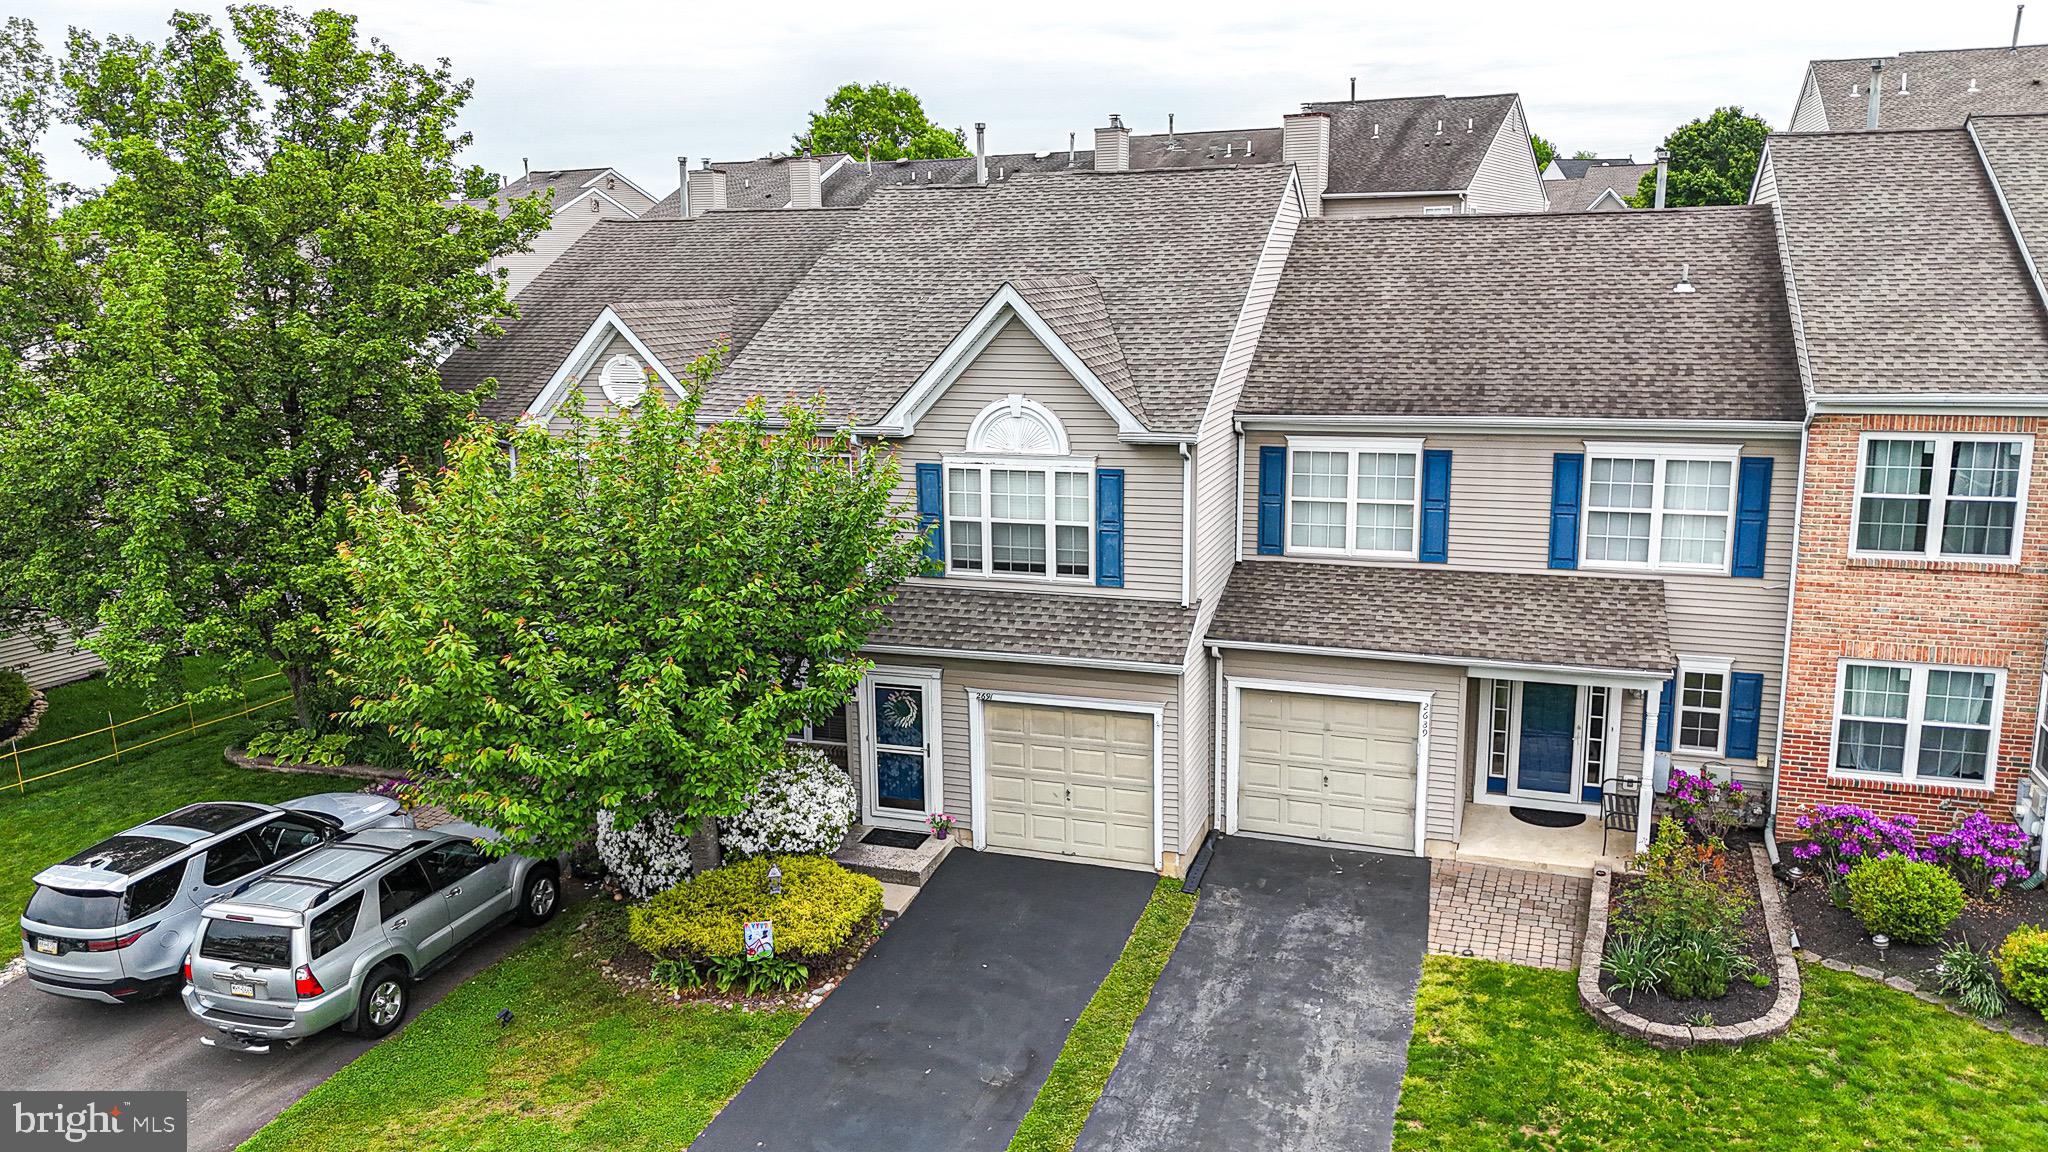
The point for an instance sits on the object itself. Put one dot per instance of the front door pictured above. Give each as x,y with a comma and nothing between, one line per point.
1544,759
900,747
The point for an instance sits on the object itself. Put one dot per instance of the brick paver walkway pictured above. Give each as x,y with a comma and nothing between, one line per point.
1506,914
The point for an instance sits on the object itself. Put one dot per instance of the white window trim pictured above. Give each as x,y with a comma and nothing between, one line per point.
1707,666
977,757
1015,405
934,744
1051,466
1351,500
1516,796
1916,707
1663,454
1944,443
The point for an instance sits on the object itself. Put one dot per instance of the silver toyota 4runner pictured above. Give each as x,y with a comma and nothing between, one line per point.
338,937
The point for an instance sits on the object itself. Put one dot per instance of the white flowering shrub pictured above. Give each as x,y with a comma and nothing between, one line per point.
648,857
803,807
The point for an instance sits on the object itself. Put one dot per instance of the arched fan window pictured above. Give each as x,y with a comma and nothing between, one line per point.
1029,517
624,381
1017,426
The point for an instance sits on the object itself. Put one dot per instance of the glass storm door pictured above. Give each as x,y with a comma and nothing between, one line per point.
901,737
1544,759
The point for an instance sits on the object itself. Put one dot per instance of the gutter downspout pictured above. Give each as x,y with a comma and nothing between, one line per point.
1216,715
1187,525
1238,527
1785,661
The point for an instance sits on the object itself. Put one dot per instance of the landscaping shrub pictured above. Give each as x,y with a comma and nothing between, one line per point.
1635,965
1683,919
2023,965
291,744
804,805
15,697
649,857
1982,855
1841,836
823,910
1709,809
1909,900
1970,977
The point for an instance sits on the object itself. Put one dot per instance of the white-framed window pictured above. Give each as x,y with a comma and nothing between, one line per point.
1660,506
1700,718
830,730
1919,723
1593,762
1021,507
1940,496
1439,210
1354,497
1500,719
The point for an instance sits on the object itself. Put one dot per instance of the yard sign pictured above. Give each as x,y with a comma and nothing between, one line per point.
760,938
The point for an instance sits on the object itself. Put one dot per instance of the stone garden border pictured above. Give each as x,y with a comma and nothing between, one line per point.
1616,1018
241,759
31,719
1910,988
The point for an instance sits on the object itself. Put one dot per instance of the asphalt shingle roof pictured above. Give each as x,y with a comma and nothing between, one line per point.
745,262
567,184
1907,275
677,331
1395,146
2016,147
955,618
1577,193
1938,87
1170,255
1575,169
749,184
1573,620
1532,315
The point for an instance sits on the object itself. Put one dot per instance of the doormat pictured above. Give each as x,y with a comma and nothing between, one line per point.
891,838
1545,818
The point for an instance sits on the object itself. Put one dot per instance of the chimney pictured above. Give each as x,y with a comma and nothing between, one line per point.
1072,156
1305,143
683,186
1876,89
706,190
1663,174
805,188
980,153
1113,146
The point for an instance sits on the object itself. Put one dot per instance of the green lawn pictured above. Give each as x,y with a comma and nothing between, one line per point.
1097,1041
1504,1058
582,1066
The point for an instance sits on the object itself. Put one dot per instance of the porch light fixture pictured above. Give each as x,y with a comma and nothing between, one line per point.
775,879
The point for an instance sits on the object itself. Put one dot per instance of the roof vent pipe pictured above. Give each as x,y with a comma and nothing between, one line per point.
1684,279
1071,154
683,189
525,168
1663,174
1354,79
1876,90
980,154
2016,26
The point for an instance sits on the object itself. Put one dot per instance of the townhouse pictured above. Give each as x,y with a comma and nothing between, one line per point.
578,198
1921,89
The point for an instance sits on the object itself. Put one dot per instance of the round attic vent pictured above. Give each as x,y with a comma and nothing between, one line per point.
624,381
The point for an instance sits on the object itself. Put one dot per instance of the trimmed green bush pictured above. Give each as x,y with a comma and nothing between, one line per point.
1908,900
822,911
2023,965
15,696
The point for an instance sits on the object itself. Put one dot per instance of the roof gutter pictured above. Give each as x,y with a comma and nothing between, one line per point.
1519,424
2005,209
1393,195
925,653
1971,403
1633,675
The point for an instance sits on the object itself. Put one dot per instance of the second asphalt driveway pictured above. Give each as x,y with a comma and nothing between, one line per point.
1282,1020
943,1034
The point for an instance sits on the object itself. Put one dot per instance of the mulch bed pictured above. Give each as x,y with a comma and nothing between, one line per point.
22,727
606,944
1836,934
1744,1001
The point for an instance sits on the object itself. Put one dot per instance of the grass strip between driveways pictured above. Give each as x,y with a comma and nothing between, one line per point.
1097,1041
1504,1058
582,1065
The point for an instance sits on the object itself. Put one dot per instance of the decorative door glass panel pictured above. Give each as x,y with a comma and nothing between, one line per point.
899,747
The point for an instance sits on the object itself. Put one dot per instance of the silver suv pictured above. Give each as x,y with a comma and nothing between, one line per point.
339,937
113,923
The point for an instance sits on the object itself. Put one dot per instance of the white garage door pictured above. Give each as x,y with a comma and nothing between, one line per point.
1070,781
1327,768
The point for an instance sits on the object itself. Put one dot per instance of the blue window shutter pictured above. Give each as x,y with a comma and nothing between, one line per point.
1745,709
1567,476
1752,516
1109,527
931,496
1664,714
1272,500
1436,506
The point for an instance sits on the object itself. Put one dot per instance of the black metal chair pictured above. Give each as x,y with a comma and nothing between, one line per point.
1621,800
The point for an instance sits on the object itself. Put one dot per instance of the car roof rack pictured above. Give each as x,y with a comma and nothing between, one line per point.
378,853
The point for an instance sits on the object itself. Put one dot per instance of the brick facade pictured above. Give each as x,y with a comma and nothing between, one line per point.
1929,611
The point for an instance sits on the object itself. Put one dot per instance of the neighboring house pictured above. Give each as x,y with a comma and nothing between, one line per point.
579,198
63,664
1921,89
1593,185
1920,615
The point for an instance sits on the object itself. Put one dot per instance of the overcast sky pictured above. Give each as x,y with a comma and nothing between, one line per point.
632,83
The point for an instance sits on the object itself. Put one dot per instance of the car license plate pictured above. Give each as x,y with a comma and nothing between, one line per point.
240,989
47,947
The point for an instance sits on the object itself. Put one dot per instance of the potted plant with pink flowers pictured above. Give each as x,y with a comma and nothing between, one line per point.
941,824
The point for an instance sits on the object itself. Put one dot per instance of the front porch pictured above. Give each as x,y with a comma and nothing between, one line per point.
1492,835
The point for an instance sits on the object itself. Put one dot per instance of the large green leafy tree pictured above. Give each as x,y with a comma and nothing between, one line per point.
1713,161
882,122
232,333
1545,150
633,616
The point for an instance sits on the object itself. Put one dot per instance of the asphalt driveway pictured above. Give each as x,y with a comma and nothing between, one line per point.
1281,1023
54,1043
943,1034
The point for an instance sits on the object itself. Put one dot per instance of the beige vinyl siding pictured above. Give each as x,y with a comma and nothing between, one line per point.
616,187
67,662
568,226
1445,684
1810,114
1015,363
957,678
1500,521
590,384
1196,788
1766,183
1506,179
1388,205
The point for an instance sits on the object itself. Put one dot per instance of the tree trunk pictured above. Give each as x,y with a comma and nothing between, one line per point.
704,855
301,681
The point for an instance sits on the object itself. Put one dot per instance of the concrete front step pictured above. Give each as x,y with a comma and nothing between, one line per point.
906,866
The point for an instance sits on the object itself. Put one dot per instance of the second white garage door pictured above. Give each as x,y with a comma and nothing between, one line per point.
1322,767
1070,781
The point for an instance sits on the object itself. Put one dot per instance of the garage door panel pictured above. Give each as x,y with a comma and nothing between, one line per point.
1075,781
1325,767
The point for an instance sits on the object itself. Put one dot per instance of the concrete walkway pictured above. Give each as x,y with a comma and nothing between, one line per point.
941,1037
1282,1021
